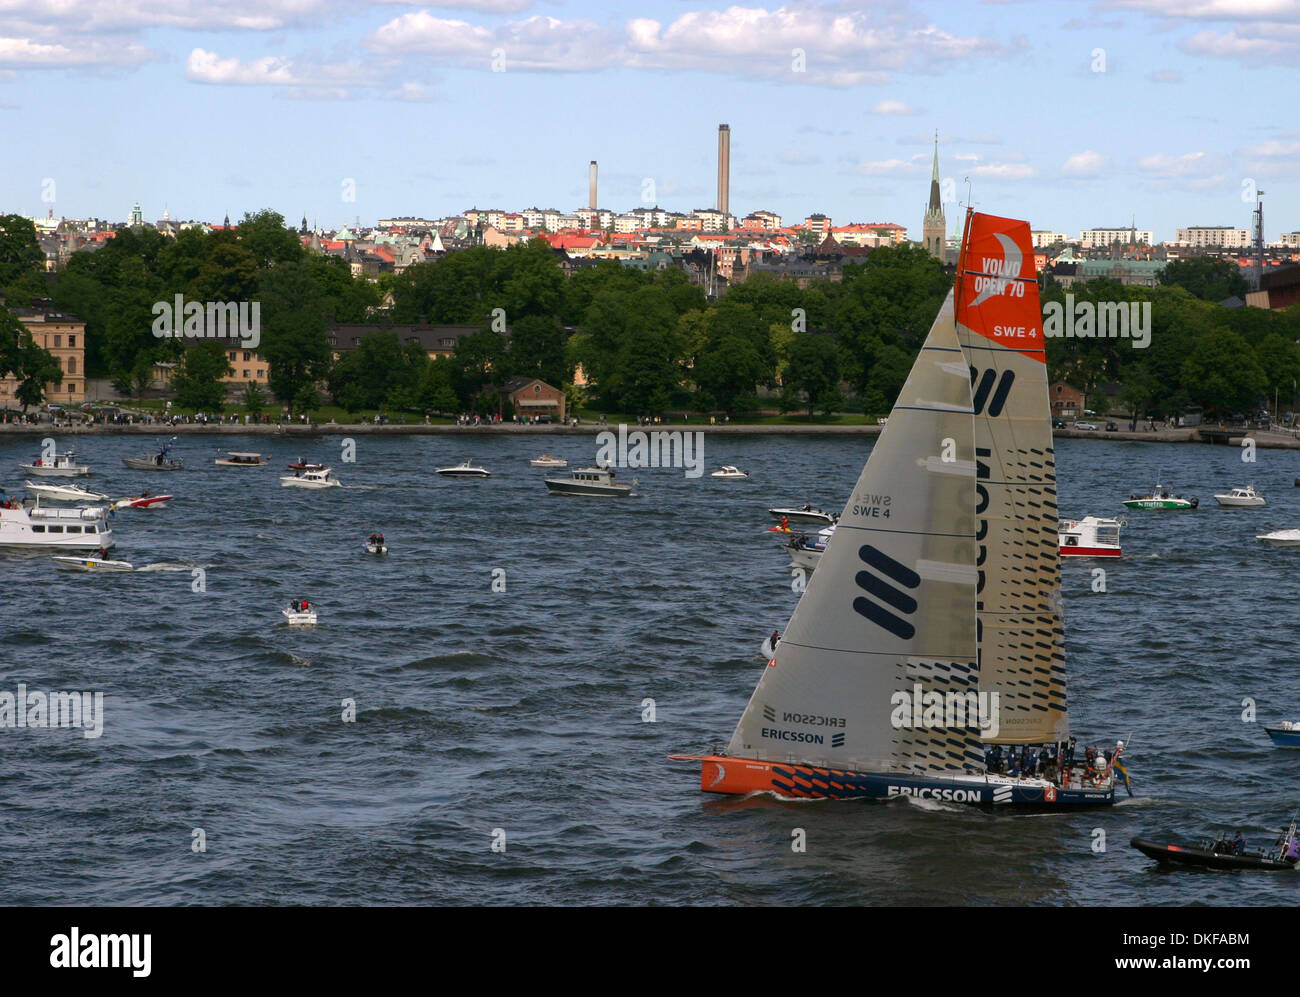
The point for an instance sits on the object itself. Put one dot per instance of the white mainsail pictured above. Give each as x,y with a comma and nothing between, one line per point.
1021,633
891,607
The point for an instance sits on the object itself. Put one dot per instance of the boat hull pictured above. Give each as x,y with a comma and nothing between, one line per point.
56,472
1190,855
1283,738
149,464
1235,503
799,516
742,776
571,488
1090,551
90,564
1159,504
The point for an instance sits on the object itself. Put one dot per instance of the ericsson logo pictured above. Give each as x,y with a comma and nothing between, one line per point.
983,383
879,588
1001,794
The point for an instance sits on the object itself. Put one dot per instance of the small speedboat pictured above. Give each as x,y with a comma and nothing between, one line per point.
323,478
300,613
1242,498
465,469
160,461
143,501
375,544
546,460
804,514
768,648
68,563
301,465
1284,735
807,553
58,465
63,493
1281,538
730,471
1090,536
236,458
1219,853
1160,498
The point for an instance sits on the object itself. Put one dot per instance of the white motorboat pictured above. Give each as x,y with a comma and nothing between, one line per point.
324,478
589,481
59,465
1090,536
546,460
30,524
465,469
1281,538
300,613
375,544
63,493
804,514
236,458
730,471
67,563
806,553
1241,498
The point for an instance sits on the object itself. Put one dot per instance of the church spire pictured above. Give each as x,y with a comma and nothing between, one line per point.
934,229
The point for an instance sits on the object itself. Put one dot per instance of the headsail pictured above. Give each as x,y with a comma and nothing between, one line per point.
892,603
999,324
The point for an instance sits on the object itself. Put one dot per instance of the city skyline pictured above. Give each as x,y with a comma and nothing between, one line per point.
429,110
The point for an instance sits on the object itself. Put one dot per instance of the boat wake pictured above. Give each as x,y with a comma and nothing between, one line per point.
171,566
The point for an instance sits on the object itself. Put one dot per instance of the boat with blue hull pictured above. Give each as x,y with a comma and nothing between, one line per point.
1285,735
926,657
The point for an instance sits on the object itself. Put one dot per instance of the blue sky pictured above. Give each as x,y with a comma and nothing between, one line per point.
1071,115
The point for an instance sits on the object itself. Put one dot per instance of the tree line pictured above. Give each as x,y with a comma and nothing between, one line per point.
647,342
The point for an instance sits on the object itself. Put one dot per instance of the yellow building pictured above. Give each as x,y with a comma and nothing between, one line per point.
65,337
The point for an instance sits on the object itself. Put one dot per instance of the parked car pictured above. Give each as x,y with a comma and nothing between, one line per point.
1089,426
1111,427
1058,422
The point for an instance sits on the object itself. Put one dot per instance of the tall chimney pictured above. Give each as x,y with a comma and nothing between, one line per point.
724,168
591,185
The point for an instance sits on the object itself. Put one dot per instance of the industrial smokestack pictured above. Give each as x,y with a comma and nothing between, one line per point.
591,186
724,168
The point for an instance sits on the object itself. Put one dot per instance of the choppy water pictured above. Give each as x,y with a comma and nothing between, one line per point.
478,710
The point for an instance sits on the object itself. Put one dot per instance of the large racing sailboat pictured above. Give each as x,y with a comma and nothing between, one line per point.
930,638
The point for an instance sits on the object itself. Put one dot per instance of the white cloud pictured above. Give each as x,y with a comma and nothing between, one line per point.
203,66
1003,171
807,42
534,43
893,107
24,53
1186,165
1085,164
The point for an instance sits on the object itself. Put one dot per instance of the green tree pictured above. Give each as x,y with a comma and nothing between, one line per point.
265,235
31,365
198,381
1205,278
254,399
1222,374
293,331
812,373
20,253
